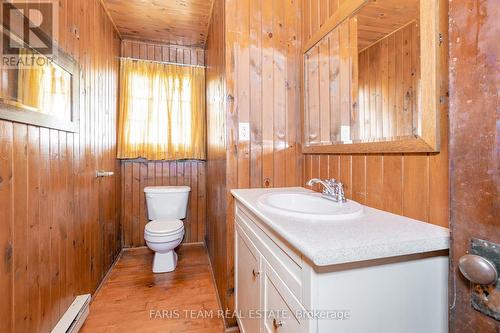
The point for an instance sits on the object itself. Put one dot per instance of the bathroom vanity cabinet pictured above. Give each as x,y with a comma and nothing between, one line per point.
304,276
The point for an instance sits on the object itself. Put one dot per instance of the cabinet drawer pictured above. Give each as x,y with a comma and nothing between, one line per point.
279,304
286,263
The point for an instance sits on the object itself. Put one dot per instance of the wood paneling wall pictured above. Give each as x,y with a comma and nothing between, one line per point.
217,194
161,52
253,60
59,224
138,174
315,13
330,80
414,185
263,81
389,77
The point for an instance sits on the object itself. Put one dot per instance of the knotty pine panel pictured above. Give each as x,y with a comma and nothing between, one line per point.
137,174
329,78
262,85
414,185
59,225
315,13
403,184
173,22
217,194
253,77
262,82
389,77
162,52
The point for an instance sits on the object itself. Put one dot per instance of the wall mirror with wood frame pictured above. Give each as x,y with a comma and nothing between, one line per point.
40,90
371,79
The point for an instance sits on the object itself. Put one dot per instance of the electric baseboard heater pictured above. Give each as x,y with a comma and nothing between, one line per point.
75,316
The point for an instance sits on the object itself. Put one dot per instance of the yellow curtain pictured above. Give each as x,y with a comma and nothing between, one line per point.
29,89
43,86
162,111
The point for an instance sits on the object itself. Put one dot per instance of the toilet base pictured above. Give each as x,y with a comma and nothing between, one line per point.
164,262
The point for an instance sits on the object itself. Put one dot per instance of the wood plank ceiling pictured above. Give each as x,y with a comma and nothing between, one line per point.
379,19
178,22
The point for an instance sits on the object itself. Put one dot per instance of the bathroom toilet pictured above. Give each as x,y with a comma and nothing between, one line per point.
167,206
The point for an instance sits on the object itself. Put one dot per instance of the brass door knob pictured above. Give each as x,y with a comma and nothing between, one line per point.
477,269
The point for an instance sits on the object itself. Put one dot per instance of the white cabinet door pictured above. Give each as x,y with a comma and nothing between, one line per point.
280,306
247,283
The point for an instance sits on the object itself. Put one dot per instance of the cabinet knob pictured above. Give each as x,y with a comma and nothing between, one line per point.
255,273
277,323
477,269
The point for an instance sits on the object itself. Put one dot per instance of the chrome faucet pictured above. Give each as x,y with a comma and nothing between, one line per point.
332,190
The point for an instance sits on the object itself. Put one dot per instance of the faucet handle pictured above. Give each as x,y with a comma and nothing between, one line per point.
341,192
331,186
332,182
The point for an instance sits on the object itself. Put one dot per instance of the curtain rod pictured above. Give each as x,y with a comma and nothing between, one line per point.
162,62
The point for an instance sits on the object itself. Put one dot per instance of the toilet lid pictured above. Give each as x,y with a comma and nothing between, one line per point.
166,189
164,226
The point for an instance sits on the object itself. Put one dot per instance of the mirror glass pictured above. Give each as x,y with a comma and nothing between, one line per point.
37,84
362,80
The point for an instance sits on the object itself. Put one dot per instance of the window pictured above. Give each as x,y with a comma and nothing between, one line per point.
162,111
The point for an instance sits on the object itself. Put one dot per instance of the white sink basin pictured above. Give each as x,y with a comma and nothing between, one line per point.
309,206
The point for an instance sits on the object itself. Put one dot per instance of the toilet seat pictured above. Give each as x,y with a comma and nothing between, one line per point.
164,227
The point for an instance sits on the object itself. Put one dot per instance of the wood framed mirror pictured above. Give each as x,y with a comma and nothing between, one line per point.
36,87
371,79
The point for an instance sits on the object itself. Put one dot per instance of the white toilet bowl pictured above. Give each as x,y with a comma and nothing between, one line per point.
167,205
163,236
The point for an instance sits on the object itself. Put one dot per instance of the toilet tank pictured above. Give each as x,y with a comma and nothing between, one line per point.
167,202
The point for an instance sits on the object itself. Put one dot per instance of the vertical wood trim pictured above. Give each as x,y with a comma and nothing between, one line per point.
267,93
256,90
34,242
279,98
202,201
6,225
20,208
416,187
359,181
430,89
45,220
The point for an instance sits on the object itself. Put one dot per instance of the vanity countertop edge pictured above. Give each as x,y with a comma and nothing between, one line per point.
375,235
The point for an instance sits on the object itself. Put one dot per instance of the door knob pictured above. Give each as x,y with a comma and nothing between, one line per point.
477,269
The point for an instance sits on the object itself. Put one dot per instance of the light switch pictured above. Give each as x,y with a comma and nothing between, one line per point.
345,134
244,132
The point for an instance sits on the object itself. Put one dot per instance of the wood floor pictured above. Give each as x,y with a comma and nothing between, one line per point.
133,299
